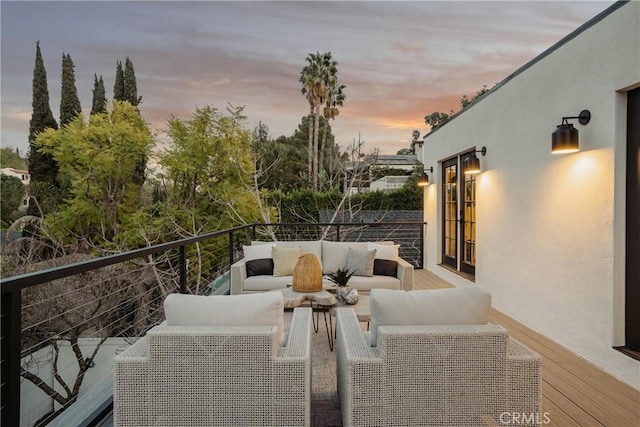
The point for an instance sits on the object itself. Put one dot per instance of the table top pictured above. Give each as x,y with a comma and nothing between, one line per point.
362,308
296,299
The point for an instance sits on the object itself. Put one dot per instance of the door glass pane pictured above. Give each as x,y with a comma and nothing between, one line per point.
469,238
450,211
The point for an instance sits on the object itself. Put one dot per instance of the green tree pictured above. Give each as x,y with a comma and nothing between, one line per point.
10,158
437,119
42,166
99,103
118,86
11,194
99,157
69,101
316,77
130,86
208,162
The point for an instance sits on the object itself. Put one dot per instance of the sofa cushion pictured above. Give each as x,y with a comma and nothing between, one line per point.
365,284
257,252
306,247
360,262
265,309
385,251
385,267
265,283
454,306
334,254
259,267
284,260
386,261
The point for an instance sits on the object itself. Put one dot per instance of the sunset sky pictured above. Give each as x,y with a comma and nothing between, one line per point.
399,60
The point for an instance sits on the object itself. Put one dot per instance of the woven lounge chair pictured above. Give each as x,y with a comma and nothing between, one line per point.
217,375
433,375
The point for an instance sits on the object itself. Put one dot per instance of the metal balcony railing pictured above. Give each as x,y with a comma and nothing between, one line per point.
60,327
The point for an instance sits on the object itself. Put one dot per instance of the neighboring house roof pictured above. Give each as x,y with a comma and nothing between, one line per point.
590,23
397,160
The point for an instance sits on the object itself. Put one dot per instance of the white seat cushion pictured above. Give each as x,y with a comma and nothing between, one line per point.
453,306
266,283
334,254
265,309
365,284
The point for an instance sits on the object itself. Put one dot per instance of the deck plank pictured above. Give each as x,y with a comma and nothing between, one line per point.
574,391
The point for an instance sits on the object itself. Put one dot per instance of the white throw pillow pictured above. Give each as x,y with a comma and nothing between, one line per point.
284,260
264,309
257,251
451,306
388,252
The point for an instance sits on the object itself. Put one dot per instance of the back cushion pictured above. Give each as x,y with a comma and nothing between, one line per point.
334,254
306,247
452,306
264,309
258,259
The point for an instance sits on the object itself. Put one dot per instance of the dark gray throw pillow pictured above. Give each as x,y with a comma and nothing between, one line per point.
260,267
385,267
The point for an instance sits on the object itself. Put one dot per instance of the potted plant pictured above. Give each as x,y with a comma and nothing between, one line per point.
340,278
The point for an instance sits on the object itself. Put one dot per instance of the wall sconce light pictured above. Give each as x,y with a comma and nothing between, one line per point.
565,138
423,181
471,164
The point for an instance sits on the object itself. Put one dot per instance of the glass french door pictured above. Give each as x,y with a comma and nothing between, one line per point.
459,216
450,213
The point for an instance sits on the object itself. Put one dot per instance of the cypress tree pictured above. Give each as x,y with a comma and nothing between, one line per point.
99,96
131,95
42,167
130,85
118,87
69,101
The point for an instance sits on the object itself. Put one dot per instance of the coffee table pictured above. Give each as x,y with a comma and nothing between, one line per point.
363,313
320,301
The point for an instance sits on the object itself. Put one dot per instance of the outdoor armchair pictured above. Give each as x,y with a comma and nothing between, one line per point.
436,375
216,375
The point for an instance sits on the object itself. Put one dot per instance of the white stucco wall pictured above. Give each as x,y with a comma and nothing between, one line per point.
545,231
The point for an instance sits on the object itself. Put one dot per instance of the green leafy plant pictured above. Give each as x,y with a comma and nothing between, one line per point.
340,277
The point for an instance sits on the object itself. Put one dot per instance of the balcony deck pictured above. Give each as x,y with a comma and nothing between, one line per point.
574,392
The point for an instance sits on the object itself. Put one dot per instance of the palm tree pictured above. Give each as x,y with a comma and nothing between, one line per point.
335,99
315,77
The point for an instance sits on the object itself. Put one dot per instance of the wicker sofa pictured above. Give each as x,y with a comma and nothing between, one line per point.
332,255
445,368
218,374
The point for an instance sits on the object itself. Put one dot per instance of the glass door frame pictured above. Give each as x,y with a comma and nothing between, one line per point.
458,222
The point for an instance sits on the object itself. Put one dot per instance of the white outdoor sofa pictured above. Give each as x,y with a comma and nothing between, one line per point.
433,360
390,272
218,375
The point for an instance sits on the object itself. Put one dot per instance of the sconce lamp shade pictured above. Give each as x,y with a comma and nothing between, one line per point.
565,139
423,181
472,165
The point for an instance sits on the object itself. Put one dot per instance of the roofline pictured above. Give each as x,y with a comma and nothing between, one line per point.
575,33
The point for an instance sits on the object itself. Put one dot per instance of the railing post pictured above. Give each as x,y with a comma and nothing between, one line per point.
11,343
183,269
423,230
230,247
338,232
253,231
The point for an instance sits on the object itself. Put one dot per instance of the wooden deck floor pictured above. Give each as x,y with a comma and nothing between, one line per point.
574,392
